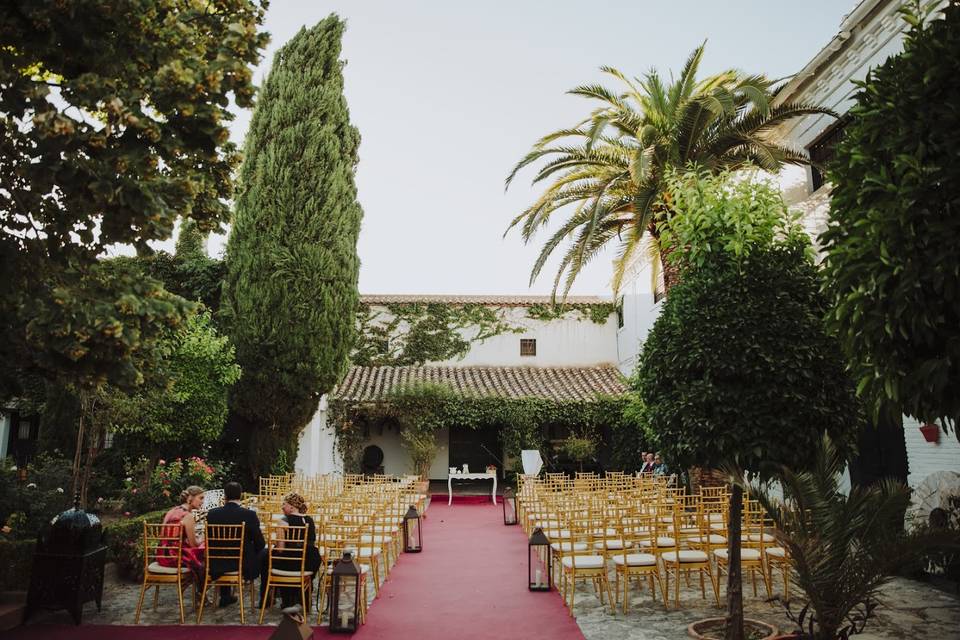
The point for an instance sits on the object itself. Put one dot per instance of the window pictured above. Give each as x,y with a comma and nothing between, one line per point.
823,149
23,431
528,347
108,440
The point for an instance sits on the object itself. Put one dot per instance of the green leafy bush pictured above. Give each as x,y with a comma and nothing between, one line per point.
124,541
28,505
892,265
16,558
150,487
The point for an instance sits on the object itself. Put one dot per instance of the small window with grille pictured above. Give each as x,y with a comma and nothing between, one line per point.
528,347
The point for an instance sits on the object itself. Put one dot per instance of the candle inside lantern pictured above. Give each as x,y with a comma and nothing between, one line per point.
538,578
343,619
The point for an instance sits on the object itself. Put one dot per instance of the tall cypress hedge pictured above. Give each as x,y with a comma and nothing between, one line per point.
290,294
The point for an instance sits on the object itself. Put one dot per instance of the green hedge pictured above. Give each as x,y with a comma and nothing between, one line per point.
125,543
16,559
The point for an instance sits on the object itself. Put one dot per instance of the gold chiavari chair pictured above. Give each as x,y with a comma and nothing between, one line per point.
163,542
589,566
636,526
224,543
686,558
287,545
753,542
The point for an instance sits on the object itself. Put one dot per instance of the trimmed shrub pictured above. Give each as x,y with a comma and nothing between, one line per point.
16,559
125,544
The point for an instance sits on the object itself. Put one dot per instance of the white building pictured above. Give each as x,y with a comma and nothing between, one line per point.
566,358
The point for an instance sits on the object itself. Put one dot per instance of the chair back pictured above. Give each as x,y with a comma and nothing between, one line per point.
286,544
225,545
162,541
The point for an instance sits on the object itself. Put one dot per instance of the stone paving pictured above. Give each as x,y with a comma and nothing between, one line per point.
910,609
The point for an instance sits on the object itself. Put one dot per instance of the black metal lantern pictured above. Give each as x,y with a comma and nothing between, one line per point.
345,595
509,506
539,567
68,564
412,536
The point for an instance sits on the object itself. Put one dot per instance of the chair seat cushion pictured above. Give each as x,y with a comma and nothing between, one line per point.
685,556
379,539
713,538
557,533
155,567
756,537
636,560
662,541
566,546
776,552
745,554
289,574
610,544
583,562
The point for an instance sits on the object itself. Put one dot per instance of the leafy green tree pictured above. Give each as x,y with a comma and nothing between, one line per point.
183,412
114,123
738,369
607,172
290,293
892,266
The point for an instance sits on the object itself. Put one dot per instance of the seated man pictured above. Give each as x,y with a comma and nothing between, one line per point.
233,513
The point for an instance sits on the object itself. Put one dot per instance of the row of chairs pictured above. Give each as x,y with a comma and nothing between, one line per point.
351,513
639,529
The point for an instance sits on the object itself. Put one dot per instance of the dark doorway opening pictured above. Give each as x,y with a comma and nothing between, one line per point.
477,448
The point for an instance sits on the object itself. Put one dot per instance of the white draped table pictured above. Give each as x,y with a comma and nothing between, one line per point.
471,476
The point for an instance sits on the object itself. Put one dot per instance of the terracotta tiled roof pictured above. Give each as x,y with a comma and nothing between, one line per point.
505,301
562,384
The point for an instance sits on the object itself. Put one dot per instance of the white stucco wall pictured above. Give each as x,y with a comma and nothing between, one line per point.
569,341
927,457
639,313
317,453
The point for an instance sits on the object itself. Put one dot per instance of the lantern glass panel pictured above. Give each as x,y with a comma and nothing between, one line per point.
344,606
412,535
539,571
509,507
345,596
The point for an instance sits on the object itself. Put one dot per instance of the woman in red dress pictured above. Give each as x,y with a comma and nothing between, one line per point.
193,552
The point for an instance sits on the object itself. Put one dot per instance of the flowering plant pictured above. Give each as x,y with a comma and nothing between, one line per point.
149,487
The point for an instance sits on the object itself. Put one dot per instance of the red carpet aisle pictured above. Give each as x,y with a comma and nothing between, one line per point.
468,584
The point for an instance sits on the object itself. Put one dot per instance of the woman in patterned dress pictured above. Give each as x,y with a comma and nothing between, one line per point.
192,552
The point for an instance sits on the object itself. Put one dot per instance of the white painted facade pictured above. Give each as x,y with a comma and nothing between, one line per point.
572,340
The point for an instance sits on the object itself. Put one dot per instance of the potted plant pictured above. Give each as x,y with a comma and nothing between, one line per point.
579,448
844,547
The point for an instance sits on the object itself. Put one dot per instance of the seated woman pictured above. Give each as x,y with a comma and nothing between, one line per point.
294,515
191,498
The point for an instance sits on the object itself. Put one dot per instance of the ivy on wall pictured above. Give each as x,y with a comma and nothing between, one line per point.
523,422
595,313
418,333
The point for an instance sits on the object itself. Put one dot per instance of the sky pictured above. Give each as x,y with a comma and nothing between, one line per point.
449,94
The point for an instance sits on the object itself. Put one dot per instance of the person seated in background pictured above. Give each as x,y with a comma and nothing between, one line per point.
192,549
294,515
648,464
659,467
232,512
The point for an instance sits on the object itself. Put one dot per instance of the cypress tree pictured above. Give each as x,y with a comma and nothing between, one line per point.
290,294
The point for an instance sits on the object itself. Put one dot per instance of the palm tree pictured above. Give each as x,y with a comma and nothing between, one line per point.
608,171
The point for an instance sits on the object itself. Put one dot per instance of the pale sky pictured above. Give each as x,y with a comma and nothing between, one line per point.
449,94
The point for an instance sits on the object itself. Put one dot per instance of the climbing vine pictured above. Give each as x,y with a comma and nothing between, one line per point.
595,313
418,333
523,422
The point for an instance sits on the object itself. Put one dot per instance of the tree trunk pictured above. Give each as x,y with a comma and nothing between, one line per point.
78,452
734,577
